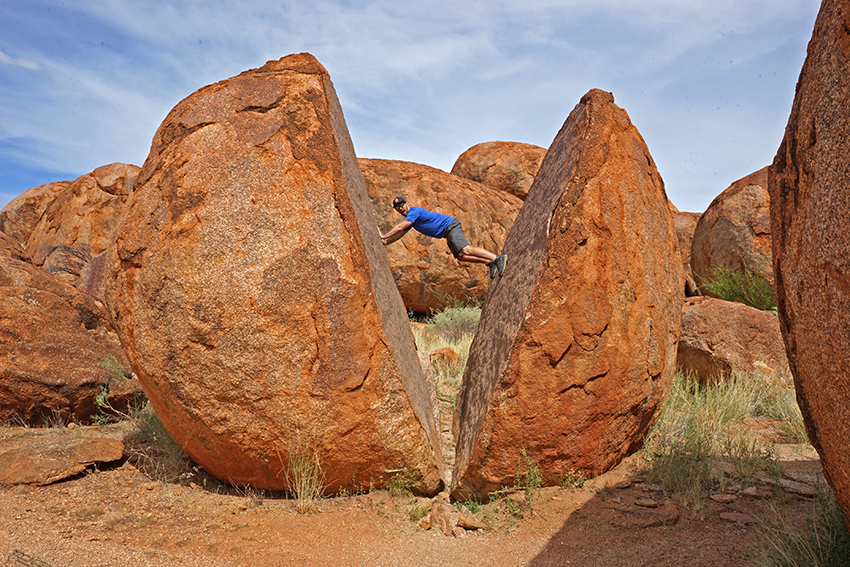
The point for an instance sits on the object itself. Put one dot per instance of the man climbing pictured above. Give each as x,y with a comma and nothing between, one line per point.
437,225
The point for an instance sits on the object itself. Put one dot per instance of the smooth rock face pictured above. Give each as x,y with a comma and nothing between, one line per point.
21,215
56,348
428,276
507,166
719,337
576,348
810,219
253,295
734,232
84,216
39,460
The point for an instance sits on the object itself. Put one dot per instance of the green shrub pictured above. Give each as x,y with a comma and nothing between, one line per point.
747,287
454,322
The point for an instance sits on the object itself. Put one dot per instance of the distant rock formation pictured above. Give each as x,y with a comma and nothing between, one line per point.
428,276
719,337
810,219
507,166
734,232
254,297
21,215
81,220
576,349
686,224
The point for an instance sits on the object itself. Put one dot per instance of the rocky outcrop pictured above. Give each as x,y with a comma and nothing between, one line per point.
428,276
734,232
810,219
507,166
21,215
576,348
57,350
254,298
686,224
81,220
719,337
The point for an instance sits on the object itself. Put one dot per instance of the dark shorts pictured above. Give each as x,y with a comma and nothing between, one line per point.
455,238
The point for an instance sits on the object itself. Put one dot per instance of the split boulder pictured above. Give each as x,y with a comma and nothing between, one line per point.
576,348
429,278
254,297
810,218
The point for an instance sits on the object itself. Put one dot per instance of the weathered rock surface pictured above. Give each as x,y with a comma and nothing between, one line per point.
64,262
253,295
507,166
576,348
56,346
41,460
719,337
21,215
734,232
810,219
427,274
685,224
10,248
81,220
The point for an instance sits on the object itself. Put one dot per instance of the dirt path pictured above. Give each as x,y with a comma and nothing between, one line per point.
119,517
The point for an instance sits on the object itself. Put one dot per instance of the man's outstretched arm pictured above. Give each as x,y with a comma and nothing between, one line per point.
395,232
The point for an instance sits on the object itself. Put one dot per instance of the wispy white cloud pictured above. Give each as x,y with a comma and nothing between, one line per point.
26,63
708,82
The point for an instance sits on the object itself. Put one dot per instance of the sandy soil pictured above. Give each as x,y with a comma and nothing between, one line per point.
117,516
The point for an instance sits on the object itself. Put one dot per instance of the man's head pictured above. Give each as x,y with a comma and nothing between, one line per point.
400,205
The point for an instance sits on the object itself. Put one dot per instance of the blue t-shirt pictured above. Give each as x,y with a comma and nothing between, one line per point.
427,222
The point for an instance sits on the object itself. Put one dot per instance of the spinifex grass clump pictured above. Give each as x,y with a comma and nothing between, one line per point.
453,328
823,541
456,321
304,474
699,428
154,452
747,287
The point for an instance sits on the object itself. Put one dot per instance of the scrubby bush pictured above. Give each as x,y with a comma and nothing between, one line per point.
747,287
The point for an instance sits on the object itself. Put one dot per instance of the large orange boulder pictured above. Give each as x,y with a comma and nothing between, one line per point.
81,220
253,295
721,337
734,231
810,219
576,348
507,166
21,215
57,350
428,276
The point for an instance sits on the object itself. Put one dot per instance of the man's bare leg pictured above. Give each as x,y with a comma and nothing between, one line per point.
475,255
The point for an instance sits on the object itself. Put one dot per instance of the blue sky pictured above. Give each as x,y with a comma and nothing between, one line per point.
708,83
